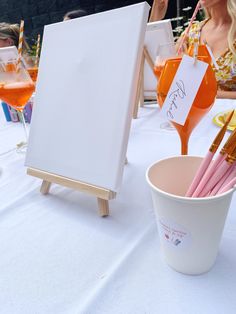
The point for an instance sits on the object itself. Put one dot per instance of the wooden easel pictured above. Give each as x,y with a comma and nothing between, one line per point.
103,195
139,99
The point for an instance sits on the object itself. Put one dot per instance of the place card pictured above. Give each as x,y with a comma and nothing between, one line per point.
183,89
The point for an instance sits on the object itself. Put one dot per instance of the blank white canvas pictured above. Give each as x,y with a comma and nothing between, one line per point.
157,33
85,95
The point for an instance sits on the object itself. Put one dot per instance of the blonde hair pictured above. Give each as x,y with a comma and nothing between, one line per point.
12,31
231,8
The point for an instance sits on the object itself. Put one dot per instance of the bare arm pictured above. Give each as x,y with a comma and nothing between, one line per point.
226,94
179,42
158,11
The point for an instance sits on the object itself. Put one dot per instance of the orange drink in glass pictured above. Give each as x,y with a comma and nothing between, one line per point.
33,72
157,70
32,66
16,86
16,94
202,103
202,52
165,51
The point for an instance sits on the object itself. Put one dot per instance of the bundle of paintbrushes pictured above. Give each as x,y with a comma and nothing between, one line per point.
218,176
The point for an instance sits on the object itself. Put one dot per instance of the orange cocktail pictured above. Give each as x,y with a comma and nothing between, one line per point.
202,52
16,94
157,70
16,86
202,103
33,72
165,51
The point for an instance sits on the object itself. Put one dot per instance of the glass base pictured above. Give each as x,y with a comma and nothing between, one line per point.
167,126
21,148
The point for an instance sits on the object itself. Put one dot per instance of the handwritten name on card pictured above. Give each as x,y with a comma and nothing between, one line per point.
183,89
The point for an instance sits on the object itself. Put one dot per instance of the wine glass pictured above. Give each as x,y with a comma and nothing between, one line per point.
202,51
165,51
202,103
32,67
16,86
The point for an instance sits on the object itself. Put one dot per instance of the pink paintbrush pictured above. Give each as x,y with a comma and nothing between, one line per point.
225,149
219,172
221,183
229,186
230,177
211,169
208,158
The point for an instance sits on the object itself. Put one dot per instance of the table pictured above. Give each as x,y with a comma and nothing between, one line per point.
59,256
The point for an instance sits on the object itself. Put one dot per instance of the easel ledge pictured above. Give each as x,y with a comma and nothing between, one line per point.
103,195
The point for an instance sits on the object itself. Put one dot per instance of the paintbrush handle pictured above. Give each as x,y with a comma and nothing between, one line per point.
198,176
230,177
229,186
215,178
221,183
209,172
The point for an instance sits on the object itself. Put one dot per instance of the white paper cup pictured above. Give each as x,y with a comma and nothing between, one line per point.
190,229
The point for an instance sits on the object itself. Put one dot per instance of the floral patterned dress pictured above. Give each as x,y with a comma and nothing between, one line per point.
226,73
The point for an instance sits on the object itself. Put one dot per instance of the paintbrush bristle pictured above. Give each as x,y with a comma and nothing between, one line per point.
220,135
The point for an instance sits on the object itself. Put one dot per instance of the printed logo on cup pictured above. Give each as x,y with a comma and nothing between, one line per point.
173,234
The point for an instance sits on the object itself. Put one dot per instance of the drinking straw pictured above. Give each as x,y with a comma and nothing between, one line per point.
215,164
229,185
206,161
189,26
20,45
195,52
37,52
219,173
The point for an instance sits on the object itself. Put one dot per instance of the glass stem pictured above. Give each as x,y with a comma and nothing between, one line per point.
184,143
24,125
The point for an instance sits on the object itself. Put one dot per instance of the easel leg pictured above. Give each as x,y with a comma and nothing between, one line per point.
139,88
45,187
136,105
103,206
142,90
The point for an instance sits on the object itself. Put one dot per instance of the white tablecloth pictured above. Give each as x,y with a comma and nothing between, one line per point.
58,256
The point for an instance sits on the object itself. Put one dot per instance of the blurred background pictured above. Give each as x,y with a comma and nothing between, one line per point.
37,13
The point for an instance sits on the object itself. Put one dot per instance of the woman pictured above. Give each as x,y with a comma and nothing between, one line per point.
9,36
218,30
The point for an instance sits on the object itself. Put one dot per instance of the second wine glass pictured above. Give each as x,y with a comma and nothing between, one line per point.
32,67
164,52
